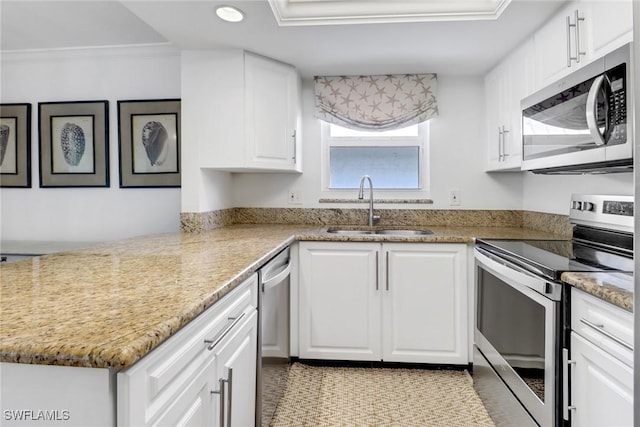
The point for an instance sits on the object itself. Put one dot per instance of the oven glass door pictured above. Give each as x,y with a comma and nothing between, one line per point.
516,330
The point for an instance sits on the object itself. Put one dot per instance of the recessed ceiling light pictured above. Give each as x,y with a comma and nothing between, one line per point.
229,14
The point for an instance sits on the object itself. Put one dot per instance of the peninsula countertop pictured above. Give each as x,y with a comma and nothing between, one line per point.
110,304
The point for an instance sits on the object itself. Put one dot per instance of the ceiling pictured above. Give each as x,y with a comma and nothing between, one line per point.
449,45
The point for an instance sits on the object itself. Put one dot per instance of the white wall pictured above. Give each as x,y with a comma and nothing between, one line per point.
551,193
88,214
458,153
203,190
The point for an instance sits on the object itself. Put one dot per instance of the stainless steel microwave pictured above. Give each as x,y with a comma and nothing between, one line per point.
584,122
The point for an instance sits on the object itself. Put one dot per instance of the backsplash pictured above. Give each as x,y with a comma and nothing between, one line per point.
197,222
553,223
194,222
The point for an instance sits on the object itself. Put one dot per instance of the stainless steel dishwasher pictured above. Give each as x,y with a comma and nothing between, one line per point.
273,339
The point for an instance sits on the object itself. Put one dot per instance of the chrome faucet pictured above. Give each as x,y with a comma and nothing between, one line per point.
372,218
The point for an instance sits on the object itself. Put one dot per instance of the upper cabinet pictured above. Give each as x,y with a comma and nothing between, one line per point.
580,32
505,86
255,119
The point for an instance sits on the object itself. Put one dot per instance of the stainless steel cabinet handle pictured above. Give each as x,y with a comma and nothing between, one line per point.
600,328
566,369
577,33
504,150
387,267
500,136
295,147
377,270
221,392
230,400
569,57
216,340
578,51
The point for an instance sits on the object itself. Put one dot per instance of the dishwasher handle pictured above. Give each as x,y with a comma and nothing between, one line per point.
277,278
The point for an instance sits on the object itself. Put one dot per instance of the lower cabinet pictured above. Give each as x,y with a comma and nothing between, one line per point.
601,385
396,302
601,367
204,375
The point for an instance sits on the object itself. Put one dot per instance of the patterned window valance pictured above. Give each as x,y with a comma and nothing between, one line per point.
380,102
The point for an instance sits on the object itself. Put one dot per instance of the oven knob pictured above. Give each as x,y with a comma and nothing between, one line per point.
577,205
587,206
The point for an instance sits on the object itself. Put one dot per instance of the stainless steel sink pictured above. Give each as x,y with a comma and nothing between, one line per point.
386,231
348,232
404,232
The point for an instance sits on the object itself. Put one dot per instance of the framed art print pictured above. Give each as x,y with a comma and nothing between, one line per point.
149,143
74,144
15,145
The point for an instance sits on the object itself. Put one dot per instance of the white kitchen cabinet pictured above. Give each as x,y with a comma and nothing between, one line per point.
505,87
424,307
601,367
255,117
339,302
396,302
236,376
602,387
579,33
178,383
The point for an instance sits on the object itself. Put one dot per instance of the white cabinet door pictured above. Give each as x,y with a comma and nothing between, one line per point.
610,25
194,405
390,302
555,42
520,84
339,305
251,107
601,387
602,26
494,86
505,87
271,96
424,310
236,361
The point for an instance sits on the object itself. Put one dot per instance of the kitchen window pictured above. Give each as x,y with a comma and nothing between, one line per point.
396,160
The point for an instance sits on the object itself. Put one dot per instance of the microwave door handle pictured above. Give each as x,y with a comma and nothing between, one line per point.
592,108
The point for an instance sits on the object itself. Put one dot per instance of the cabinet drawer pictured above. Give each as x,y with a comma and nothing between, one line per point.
605,325
147,387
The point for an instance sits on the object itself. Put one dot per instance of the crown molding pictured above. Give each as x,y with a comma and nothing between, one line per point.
330,12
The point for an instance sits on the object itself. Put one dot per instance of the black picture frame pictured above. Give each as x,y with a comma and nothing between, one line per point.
15,145
149,143
74,143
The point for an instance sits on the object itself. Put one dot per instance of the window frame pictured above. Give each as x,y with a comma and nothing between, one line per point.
421,141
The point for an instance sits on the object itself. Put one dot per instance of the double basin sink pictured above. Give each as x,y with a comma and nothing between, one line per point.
384,231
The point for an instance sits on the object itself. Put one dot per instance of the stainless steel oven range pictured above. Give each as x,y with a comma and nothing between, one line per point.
522,309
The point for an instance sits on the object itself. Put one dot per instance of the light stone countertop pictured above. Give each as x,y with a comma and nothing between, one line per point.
616,288
110,304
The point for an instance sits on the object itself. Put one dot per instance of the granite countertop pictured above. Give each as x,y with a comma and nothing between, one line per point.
108,305
616,288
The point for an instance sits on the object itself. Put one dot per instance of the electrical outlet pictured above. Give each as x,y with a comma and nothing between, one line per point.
295,198
454,198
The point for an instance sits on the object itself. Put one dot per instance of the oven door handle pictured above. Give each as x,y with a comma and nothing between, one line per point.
517,274
513,263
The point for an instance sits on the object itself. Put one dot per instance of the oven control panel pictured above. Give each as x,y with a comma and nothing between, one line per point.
603,211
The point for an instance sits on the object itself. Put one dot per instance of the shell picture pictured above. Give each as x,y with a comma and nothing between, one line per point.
72,140
4,141
154,139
